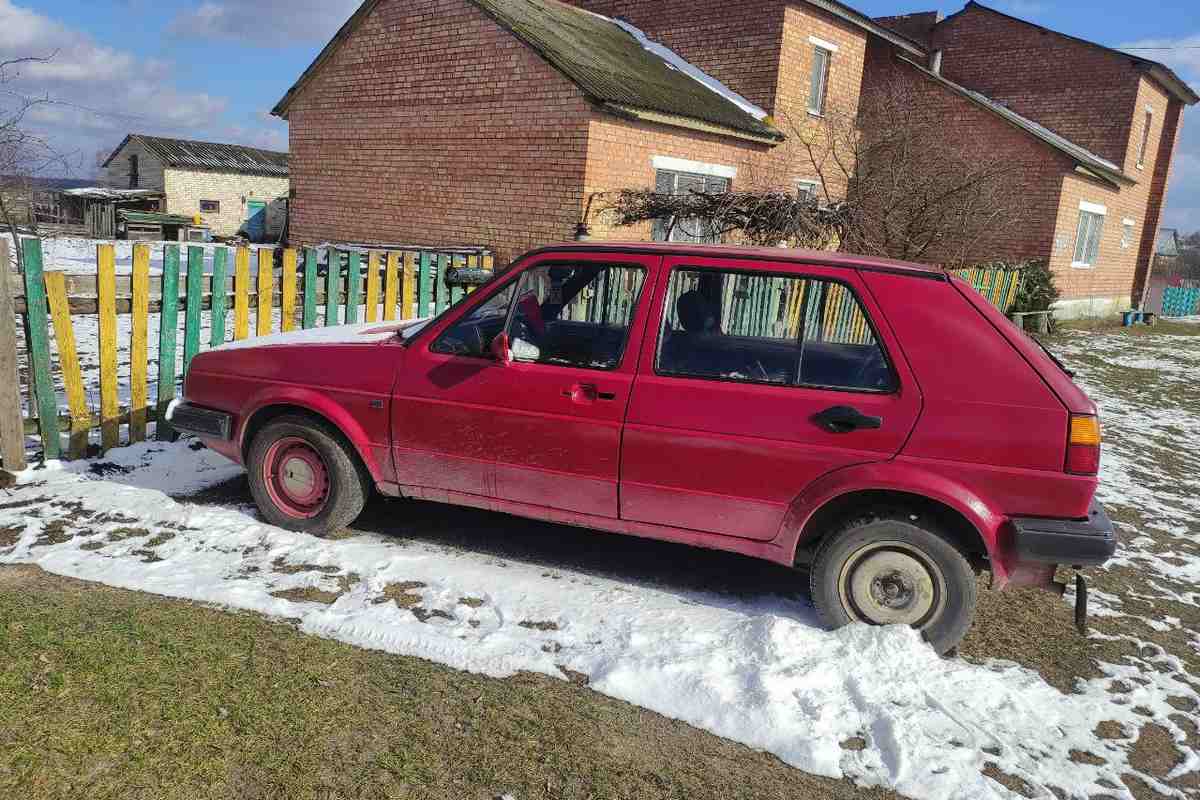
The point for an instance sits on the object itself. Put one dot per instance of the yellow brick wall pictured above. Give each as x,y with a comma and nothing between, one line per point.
185,189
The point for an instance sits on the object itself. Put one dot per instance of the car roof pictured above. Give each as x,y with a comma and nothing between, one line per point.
777,254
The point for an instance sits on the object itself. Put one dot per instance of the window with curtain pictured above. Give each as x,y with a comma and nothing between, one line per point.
1087,239
691,230
819,83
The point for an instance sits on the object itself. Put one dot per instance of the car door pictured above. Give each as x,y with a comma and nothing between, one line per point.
755,379
445,392
556,413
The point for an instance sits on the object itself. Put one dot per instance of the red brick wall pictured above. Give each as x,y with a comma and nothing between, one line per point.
1037,169
1079,90
1159,158
432,125
917,26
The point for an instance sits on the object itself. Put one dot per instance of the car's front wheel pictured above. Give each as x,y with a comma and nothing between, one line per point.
305,477
891,569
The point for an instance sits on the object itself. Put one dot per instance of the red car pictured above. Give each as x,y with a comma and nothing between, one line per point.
879,422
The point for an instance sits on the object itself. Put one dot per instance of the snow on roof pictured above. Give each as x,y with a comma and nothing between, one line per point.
677,62
110,193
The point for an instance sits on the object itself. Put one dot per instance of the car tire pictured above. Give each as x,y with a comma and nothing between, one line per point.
305,476
895,568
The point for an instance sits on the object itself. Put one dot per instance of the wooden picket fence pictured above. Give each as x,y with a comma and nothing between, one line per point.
386,286
999,285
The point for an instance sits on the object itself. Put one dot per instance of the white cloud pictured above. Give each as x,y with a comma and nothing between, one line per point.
100,93
1181,54
289,20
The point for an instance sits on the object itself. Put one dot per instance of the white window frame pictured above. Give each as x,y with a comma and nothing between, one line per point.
672,164
817,99
1147,124
814,187
1128,231
1087,231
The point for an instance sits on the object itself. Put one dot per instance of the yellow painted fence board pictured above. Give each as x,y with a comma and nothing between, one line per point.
287,303
106,291
372,286
390,286
409,286
241,294
139,399
68,359
266,276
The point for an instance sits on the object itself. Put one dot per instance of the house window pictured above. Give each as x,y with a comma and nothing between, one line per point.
676,181
1141,162
1088,235
210,206
1127,226
807,190
819,80
133,171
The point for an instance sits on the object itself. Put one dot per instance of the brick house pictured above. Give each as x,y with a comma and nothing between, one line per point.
503,122
233,188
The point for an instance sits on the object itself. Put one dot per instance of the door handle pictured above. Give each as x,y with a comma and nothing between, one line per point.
844,419
587,393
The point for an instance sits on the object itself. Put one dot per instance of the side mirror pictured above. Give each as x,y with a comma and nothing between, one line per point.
500,350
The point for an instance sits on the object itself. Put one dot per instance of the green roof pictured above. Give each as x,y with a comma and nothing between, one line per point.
611,66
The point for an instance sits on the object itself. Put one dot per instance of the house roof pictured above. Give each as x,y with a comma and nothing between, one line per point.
1095,165
1168,242
609,62
212,156
1158,71
111,193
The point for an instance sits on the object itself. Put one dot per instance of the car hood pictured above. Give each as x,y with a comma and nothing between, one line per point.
367,334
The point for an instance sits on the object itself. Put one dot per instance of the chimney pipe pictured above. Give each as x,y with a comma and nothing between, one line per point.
935,62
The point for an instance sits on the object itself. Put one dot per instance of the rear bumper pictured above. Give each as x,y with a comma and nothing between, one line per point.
1074,542
206,423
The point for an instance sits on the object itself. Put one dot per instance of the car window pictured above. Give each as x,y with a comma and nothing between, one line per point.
574,314
472,335
759,328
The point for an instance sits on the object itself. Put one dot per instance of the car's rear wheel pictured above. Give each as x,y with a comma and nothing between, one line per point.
305,477
892,569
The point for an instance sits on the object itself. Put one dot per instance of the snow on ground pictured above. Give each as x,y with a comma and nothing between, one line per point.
755,669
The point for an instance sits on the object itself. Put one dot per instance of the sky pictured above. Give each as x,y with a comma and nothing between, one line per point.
213,69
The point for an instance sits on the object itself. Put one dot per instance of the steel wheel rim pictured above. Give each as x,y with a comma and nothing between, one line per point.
891,583
296,477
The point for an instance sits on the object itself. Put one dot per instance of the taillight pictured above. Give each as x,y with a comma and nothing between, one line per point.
1083,445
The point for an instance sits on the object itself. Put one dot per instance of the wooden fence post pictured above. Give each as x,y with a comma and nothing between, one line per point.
391,283
407,287
241,294
309,319
138,344
195,300
287,298
12,427
441,290
216,336
372,286
353,286
68,360
106,292
266,276
333,286
425,286
38,342
168,328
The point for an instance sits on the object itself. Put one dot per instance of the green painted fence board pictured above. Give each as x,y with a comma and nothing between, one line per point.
168,327
195,296
219,299
456,293
333,281
442,291
309,317
424,285
37,332
353,287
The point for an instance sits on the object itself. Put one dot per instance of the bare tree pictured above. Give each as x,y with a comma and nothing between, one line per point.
24,154
892,183
912,191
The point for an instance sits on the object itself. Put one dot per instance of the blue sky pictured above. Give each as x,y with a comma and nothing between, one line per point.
212,69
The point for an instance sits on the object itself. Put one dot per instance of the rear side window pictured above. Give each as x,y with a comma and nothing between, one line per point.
781,330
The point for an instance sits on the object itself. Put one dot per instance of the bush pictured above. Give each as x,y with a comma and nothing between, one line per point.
1037,292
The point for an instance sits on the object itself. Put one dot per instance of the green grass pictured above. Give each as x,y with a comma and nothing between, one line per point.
106,693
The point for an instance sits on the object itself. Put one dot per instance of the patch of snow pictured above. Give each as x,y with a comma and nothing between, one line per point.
758,670
365,333
680,64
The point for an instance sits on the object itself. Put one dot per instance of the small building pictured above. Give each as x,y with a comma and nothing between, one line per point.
92,210
236,190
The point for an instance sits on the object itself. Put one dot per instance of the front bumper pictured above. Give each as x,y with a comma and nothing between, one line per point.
1077,543
206,423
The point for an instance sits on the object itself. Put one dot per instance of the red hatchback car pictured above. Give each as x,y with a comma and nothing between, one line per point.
878,422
